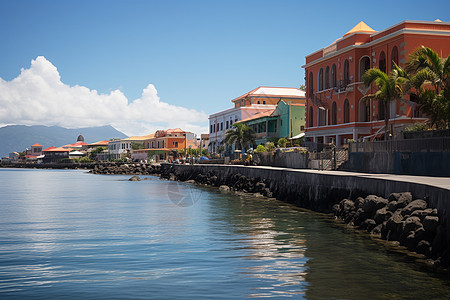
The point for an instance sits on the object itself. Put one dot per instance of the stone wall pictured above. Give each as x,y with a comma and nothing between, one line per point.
294,160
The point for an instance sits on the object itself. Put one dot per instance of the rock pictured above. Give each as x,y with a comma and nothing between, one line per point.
377,230
359,217
430,223
190,181
346,206
393,206
411,224
394,223
368,224
135,178
259,186
336,209
147,178
373,203
224,188
402,199
359,202
413,206
382,215
423,247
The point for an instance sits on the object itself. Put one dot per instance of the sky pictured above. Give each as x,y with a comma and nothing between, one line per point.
141,66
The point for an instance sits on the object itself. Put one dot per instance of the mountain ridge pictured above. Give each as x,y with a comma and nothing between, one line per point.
19,137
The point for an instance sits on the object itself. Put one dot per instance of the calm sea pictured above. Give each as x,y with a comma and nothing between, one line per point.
68,234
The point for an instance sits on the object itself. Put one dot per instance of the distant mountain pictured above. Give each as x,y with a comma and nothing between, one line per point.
19,137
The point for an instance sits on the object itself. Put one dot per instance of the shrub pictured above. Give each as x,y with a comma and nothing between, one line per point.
270,146
260,149
84,159
417,127
282,142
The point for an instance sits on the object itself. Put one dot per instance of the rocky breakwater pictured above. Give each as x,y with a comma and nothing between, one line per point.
126,169
400,218
234,183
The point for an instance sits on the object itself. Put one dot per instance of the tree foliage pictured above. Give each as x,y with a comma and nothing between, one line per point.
428,78
240,135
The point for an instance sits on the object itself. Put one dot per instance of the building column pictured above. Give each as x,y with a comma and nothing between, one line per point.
315,139
355,134
338,141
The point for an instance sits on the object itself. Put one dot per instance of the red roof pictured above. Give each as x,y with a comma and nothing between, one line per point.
77,144
37,145
59,149
101,143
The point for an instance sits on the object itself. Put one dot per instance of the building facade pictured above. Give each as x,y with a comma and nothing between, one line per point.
334,111
285,121
256,101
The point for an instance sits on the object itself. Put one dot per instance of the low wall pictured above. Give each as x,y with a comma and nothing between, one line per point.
411,163
294,160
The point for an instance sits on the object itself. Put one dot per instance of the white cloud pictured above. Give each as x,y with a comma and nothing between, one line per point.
38,97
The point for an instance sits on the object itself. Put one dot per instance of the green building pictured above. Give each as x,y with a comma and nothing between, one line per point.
286,120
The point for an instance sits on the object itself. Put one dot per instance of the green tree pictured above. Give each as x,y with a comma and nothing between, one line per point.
137,145
260,149
282,142
97,150
389,88
429,81
302,87
240,135
270,146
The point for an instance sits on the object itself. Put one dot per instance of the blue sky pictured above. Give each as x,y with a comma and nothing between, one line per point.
197,54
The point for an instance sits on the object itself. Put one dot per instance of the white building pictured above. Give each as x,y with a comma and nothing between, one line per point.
120,148
256,101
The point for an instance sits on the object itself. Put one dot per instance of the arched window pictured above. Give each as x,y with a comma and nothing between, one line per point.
364,111
346,72
394,57
346,111
327,78
364,65
311,117
381,110
334,113
333,76
382,62
321,79
311,84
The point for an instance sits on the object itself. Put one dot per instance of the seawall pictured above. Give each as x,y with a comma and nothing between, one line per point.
320,190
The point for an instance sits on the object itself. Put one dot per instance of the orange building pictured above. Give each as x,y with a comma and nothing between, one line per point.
163,142
333,74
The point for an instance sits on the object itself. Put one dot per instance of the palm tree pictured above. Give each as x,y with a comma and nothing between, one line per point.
389,88
240,136
429,82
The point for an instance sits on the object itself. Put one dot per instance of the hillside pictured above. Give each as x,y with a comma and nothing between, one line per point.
19,137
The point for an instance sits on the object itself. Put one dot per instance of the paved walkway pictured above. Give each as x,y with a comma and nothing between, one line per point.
441,182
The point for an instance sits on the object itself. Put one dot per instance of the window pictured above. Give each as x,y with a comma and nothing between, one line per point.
346,111
259,102
211,129
334,113
302,128
221,126
227,125
394,57
364,111
175,144
311,84
214,128
311,117
382,62
327,78
364,65
346,72
235,120
333,76
320,79
264,102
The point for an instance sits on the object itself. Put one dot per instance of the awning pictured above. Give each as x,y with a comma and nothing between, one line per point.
297,136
